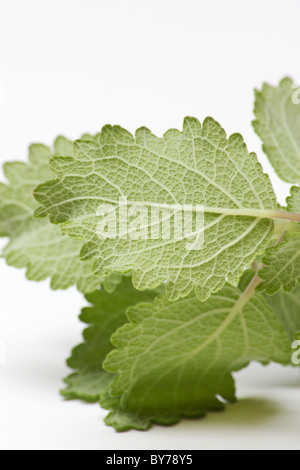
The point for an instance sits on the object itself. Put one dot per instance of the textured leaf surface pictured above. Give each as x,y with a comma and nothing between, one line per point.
105,315
175,359
111,282
196,166
286,306
293,201
37,244
282,266
277,111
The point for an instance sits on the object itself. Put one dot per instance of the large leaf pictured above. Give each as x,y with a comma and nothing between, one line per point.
105,315
277,111
175,359
198,166
37,244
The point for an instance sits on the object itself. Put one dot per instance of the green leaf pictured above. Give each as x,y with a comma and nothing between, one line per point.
111,282
286,306
38,245
277,111
63,146
296,348
282,268
293,201
105,315
120,418
197,166
16,201
175,359
245,279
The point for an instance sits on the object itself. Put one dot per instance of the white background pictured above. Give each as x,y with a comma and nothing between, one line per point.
69,66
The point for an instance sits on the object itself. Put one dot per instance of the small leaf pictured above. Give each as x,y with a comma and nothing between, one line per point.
277,111
286,306
282,268
293,201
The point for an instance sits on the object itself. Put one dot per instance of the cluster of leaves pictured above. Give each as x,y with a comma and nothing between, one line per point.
167,326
